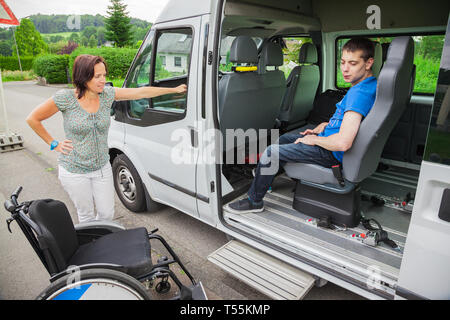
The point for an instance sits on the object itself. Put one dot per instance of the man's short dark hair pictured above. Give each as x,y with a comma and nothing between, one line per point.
363,44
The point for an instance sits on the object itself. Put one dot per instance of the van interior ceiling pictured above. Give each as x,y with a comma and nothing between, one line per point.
387,195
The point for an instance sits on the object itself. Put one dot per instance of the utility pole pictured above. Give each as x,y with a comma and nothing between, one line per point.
17,49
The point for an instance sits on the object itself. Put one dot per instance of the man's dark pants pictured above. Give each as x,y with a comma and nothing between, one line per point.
277,155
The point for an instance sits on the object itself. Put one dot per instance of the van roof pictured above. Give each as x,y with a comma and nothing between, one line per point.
182,9
331,15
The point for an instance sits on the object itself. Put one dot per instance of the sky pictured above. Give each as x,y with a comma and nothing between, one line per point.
143,9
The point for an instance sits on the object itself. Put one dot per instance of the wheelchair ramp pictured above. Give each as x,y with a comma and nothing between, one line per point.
266,274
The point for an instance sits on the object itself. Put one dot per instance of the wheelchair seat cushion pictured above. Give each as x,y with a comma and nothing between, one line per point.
128,248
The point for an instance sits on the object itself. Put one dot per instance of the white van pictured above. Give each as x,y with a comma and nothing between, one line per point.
196,152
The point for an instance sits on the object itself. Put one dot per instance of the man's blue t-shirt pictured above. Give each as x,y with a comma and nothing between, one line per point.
359,98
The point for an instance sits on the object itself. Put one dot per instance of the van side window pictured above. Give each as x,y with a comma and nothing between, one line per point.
427,56
173,56
140,76
225,45
291,50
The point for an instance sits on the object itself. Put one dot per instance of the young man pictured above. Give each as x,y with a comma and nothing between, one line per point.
324,145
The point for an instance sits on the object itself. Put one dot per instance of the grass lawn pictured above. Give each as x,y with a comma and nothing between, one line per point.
64,34
17,75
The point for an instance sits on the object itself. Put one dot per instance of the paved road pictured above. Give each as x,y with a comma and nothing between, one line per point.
22,276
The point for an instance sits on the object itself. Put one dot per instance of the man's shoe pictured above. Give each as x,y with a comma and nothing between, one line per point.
245,206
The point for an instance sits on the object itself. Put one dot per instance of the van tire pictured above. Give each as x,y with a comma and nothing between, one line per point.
128,184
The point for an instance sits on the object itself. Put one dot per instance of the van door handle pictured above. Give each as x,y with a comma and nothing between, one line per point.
444,209
194,137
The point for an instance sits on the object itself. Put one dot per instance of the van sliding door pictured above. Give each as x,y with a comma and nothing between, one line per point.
424,272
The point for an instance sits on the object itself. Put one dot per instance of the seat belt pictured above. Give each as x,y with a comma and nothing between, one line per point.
337,172
376,234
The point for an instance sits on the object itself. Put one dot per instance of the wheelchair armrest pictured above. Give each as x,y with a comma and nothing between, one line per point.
100,224
72,270
89,231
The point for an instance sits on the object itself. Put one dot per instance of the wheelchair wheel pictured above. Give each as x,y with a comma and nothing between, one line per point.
95,284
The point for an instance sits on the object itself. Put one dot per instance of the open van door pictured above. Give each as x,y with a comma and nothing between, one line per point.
161,132
424,271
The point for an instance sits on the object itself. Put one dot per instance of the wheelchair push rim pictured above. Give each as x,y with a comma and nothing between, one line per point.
95,284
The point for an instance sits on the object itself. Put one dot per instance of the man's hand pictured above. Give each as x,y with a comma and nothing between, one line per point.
308,139
316,130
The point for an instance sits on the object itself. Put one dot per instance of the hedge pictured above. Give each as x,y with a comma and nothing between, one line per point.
118,59
12,64
53,67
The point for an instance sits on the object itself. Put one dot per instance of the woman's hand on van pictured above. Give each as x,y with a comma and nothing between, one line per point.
182,88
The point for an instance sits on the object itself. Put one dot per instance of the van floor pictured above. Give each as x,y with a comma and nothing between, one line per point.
280,222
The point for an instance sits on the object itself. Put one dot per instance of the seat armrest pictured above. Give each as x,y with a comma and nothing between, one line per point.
100,224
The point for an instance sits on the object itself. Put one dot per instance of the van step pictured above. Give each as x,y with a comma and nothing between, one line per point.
266,274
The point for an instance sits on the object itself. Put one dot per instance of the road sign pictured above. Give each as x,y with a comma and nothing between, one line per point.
6,15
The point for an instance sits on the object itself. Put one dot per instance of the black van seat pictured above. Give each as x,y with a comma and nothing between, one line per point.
318,192
274,81
302,85
241,95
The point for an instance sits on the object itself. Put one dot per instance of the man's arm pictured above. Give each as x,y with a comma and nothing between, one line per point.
341,141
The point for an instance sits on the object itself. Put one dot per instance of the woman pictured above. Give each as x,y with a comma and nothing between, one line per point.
84,168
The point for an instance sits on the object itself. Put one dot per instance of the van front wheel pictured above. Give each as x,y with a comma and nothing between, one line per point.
128,184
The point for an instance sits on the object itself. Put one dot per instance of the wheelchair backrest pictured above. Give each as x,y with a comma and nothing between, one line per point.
56,235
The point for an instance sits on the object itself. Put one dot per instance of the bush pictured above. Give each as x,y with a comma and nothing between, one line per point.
427,71
69,48
53,67
117,59
12,64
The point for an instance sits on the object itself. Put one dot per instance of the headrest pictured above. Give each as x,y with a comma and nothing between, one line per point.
308,53
272,55
378,59
243,50
399,55
401,49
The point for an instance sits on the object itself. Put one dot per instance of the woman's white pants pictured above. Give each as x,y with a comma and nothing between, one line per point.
89,189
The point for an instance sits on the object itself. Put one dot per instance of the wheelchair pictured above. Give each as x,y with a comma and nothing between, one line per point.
98,260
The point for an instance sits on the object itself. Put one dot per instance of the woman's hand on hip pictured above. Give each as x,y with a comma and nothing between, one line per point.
64,147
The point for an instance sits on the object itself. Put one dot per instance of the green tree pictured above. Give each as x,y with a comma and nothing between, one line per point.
84,41
117,24
431,47
74,37
89,31
101,35
29,40
92,41
5,48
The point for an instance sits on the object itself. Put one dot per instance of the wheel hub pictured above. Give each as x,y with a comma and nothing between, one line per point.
126,184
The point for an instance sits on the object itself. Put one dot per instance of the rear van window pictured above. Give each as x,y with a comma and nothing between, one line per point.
427,58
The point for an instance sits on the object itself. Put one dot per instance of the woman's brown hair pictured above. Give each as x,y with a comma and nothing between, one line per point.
83,71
